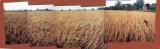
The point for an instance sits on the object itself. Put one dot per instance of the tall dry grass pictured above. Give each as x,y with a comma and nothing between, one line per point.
125,26
86,29
67,28
15,27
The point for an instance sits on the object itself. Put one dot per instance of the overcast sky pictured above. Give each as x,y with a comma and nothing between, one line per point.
24,5
111,3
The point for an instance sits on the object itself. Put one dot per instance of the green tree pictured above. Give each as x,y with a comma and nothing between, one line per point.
139,4
153,7
130,7
118,5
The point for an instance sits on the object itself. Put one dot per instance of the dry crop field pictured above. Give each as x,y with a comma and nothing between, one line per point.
90,29
125,26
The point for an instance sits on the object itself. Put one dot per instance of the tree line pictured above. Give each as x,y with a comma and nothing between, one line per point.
138,5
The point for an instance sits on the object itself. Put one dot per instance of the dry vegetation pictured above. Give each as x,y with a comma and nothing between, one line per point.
15,27
122,26
87,29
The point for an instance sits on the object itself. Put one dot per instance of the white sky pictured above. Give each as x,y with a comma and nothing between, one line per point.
111,3
24,5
